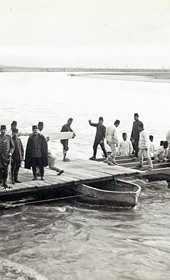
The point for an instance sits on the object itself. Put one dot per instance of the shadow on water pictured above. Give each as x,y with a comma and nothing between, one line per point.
68,203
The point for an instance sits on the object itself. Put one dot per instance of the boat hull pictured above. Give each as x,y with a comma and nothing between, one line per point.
119,193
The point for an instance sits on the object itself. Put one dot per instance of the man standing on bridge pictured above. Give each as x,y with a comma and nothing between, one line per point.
144,147
112,141
99,138
135,134
36,153
66,128
6,150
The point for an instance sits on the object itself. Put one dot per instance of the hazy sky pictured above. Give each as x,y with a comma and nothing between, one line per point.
85,33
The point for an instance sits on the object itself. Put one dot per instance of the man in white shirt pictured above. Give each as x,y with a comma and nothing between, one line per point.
168,139
51,158
112,141
151,147
125,146
144,147
161,152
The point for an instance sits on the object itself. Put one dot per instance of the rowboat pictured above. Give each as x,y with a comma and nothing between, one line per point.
117,193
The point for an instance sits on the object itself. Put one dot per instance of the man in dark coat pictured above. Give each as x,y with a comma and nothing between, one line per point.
17,156
135,134
36,153
6,150
99,138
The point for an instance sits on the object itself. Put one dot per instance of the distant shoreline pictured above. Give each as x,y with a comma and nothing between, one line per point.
161,75
81,69
146,76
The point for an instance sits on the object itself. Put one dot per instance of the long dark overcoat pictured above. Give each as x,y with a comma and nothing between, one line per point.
29,149
6,147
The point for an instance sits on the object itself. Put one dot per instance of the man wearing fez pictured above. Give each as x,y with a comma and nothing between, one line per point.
6,150
36,153
135,134
17,156
99,138
13,126
40,126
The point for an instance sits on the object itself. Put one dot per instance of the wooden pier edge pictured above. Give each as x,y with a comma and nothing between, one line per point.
77,171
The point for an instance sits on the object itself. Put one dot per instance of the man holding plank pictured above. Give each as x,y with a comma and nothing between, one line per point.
66,128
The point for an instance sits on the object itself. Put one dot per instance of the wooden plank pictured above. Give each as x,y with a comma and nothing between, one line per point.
82,175
105,168
64,177
60,135
87,170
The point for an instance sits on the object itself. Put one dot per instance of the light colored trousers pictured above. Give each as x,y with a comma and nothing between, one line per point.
143,153
168,155
113,151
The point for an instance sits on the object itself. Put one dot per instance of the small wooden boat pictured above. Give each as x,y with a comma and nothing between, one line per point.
113,193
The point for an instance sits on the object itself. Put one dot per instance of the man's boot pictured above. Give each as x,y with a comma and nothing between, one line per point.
4,184
12,180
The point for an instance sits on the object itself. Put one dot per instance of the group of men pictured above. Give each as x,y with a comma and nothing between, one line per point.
138,146
37,154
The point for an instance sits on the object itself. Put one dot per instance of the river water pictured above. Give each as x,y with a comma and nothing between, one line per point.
69,240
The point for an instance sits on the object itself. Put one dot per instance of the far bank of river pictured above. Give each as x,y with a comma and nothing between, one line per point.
156,75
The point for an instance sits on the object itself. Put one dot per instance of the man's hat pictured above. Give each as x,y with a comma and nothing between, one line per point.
15,130
14,123
40,123
34,127
3,127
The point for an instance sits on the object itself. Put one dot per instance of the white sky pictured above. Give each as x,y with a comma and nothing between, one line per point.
99,33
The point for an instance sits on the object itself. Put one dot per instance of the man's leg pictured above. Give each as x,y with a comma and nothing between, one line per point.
40,164
140,154
136,148
64,154
58,170
34,168
65,149
51,165
94,150
111,159
103,149
147,155
12,171
96,143
16,171
1,171
4,176
168,155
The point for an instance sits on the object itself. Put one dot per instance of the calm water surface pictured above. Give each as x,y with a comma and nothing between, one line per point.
69,240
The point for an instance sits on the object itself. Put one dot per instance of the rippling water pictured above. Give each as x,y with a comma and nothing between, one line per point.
70,240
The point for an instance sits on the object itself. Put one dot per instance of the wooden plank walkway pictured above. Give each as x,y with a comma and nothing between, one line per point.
77,171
